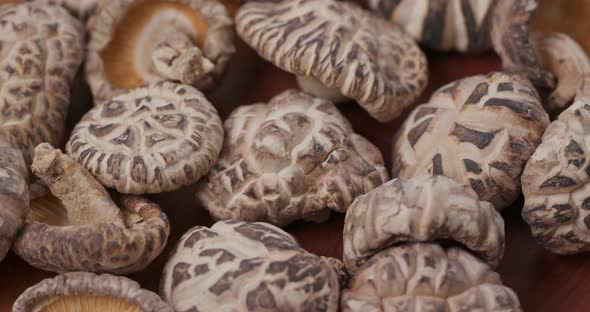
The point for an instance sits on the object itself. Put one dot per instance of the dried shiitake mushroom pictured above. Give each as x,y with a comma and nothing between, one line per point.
294,158
41,49
85,230
340,269
338,51
239,266
135,42
422,209
89,292
78,8
425,277
152,139
480,131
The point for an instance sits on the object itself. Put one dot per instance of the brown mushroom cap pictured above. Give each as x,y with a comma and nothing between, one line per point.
134,43
239,266
479,130
421,209
339,48
149,140
78,8
88,292
87,231
424,277
294,158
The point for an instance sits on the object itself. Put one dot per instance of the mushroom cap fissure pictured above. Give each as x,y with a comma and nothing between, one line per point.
78,8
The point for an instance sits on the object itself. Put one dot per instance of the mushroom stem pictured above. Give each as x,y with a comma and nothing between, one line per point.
84,198
320,90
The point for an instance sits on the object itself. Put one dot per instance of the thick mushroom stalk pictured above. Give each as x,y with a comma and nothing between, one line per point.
85,230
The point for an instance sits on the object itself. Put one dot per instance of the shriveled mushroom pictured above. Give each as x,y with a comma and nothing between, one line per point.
340,269
294,158
41,49
479,130
134,43
239,266
338,51
87,231
78,8
88,292
425,277
149,140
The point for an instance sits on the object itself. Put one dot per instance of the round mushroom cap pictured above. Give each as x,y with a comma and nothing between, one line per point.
425,277
442,25
239,266
149,140
341,46
78,8
422,209
479,130
294,158
134,43
88,292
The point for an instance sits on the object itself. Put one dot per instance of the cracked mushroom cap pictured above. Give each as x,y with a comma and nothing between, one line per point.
425,277
82,229
479,130
456,25
338,49
134,43
294,158
421,209
89,292
150,140
239,266
556,180
78,8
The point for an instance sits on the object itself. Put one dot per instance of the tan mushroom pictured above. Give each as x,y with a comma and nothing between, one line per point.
294,158
41,51
134,43
239,266
88,292
479,130
86,231
424,277
338,51
149,140
78,8
340,269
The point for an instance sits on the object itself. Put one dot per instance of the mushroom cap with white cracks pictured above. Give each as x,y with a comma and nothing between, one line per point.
149,140
341,47
479,130
556,181
89,292
294,158
79,8
425,277
239,266
82,229
422,209
134,43
455,25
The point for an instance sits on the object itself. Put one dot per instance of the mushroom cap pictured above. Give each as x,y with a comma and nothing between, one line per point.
556,181
239,266
479,130
78,8
341,46
89,286
442,25
425,277
205,22
149,140
294,158
422,209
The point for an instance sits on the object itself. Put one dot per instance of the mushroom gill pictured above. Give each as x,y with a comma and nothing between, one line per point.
90,303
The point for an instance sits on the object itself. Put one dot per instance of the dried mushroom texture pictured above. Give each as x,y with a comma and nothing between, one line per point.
421,209
294,158
456,25
480,131
89,292
425,277
149,140
239,266
78,8
82,229
338,50
340,269
555,181
134,43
